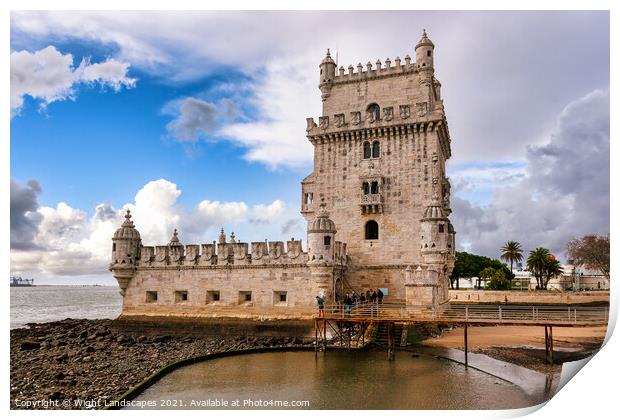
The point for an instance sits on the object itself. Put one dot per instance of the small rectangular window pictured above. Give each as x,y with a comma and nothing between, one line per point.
180,296
245,297
440,228
327,240
151,296
213,296
280,298
428,53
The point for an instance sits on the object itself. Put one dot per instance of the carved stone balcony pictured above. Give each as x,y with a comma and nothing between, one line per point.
371,203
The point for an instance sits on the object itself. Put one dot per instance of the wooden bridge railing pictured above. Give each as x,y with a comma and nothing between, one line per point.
540,314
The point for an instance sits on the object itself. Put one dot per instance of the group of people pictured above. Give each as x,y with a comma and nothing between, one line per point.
370,296
352,299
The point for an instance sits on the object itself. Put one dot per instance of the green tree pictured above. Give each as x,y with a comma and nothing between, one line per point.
499,281
553,269
537,262
512,252
470,265
486,274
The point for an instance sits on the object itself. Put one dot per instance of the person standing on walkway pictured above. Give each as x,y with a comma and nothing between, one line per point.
347,304
321,303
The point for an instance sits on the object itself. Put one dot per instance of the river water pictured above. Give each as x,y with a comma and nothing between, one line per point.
335,380
54,303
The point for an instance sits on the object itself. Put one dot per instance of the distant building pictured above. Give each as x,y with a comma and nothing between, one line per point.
17,281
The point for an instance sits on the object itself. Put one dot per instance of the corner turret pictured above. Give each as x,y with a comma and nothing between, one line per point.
126,244
327,75
424,52
321,238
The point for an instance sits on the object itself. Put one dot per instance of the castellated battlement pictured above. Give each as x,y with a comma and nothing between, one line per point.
226,254
381,70
230,255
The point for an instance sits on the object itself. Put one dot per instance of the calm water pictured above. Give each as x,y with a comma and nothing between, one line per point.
337,381
54,303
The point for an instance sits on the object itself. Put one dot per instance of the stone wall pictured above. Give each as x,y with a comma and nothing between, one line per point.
186,291
539,297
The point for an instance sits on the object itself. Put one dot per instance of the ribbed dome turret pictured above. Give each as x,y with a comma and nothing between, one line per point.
424,41
434,211
174,241
328,59
322,222
127,229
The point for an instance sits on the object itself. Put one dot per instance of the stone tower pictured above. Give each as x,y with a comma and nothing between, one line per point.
380,148
126,245
321,238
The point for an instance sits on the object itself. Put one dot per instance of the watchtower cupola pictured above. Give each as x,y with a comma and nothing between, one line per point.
424,52
126,243
327,74
321,237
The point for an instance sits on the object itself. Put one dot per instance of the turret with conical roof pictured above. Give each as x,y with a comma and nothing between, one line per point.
174,241
126,244
222,238
424,54
327,74
321,237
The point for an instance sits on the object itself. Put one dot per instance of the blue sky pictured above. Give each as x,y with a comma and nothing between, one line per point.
104,146
196,127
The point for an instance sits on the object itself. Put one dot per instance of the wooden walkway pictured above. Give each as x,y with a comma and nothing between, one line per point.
341,318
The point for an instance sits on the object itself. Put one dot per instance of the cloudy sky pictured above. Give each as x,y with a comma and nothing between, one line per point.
197,120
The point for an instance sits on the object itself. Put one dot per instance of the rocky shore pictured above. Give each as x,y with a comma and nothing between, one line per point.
86,360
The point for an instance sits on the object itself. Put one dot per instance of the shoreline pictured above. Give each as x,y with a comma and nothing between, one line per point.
524,345
64,360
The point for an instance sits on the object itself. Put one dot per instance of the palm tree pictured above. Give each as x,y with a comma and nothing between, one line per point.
537,261
512,252
552,269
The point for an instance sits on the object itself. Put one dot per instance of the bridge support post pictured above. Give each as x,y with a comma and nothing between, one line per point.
325,336
546,344
551,344
390,341
316,336
465,340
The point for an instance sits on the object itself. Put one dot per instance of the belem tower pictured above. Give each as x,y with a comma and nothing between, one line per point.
377,204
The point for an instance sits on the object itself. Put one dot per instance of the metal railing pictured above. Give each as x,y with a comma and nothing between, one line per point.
479,313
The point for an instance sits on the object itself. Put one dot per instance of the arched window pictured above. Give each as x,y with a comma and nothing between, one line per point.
372,230
375,111
374,187
365,188
366,150
375,149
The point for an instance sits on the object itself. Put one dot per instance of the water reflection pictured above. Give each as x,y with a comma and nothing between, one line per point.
339,381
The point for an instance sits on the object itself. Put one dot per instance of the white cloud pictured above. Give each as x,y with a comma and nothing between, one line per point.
215,212
48,75
283,99
565,193
68,243
497,102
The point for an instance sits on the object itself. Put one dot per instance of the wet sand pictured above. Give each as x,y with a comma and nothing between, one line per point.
517,336
525,345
